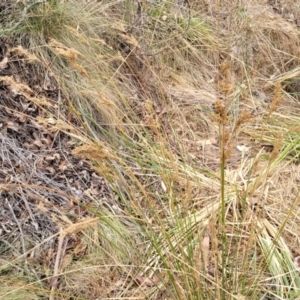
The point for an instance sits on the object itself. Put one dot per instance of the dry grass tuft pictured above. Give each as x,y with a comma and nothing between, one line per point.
150,150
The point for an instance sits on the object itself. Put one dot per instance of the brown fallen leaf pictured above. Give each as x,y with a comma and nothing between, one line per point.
201,253
22,118
38,143
297,263
142,280
13,126
51,170
205,250
3,63
42,207
66,261
51,157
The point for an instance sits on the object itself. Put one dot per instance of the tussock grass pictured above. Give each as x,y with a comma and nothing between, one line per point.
190,113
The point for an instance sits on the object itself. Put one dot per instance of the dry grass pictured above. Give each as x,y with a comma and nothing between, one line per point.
189,115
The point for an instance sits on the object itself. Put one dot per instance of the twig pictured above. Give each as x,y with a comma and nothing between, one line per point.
34,222
54,279
18,223
27,267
